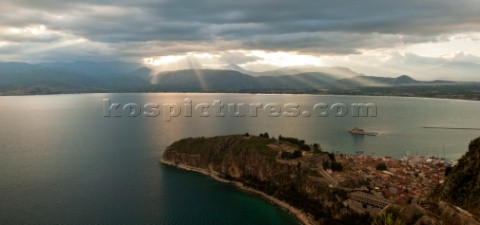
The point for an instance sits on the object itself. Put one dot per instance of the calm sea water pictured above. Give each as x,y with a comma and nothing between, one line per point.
63,162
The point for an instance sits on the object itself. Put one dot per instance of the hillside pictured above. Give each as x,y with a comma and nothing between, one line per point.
91,77
81,77
462,185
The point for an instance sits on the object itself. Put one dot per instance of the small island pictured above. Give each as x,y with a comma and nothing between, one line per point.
360,131
319,187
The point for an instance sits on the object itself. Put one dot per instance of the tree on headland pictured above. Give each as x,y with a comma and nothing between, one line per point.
448,171
326,164
297,154
264,135
316,148
305,147
331,156
291,155
335,166
381,166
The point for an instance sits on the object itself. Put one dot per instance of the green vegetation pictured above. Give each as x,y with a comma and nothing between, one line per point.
462,185
317,149
381,167
291,155
234,143
264,135
356,219
313,173
448,170
332,163
300,143
390,217
335,166
331,156
297,198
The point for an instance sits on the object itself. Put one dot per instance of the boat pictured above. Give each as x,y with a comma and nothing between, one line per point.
360,131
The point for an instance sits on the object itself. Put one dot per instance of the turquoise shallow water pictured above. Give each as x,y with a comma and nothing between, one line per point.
63,162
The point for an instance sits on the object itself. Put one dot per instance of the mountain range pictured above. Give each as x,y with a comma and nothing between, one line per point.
82,77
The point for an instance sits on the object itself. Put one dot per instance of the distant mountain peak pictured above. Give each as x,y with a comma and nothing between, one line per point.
405,77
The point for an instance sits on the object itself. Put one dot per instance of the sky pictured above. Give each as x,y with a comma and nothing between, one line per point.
426,39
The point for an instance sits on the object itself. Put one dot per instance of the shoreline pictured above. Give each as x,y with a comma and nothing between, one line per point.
253,93
303,217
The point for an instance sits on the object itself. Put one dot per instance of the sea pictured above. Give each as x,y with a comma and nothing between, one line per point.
94,158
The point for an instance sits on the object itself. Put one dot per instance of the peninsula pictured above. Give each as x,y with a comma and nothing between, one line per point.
319,187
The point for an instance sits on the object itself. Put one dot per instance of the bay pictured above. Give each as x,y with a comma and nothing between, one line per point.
63,162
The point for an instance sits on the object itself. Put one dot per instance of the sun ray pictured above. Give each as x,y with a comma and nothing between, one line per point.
198,73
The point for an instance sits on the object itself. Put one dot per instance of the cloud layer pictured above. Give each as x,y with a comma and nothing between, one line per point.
53,30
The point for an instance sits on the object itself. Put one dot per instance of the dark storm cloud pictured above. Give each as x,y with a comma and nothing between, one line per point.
322,26
331,42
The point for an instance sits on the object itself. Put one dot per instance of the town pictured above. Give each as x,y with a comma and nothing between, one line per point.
401,180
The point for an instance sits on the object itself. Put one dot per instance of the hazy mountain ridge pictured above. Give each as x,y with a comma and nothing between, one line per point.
340,72
207,80
17,78
370,81
46,78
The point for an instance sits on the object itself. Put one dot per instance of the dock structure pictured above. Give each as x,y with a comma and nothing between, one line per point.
371,200
453,128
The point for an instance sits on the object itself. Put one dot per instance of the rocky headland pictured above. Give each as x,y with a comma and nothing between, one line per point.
301,179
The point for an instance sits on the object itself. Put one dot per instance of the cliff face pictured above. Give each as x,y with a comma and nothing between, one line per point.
253,161
462,185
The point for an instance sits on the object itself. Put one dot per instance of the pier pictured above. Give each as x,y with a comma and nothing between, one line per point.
453,128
